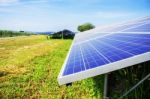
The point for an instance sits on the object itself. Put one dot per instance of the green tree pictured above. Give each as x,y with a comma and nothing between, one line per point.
85,27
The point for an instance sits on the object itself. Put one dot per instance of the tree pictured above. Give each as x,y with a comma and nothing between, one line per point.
85,27
66,34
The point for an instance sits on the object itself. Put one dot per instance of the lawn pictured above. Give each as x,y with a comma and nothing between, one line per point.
29,67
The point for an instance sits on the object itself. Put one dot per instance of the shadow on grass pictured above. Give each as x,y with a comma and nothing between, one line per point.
124,79
98,85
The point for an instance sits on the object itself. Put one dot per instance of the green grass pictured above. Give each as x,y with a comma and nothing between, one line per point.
29,67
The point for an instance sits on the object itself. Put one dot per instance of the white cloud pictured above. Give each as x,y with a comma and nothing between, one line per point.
7,1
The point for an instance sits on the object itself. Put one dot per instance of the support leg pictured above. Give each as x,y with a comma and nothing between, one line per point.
69,84
105,86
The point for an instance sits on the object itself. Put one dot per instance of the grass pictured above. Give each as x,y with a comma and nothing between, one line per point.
29,67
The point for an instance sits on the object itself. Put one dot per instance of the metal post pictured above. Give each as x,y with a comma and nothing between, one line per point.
105,86
146,77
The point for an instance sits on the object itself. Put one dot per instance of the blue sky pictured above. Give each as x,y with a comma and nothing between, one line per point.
55,15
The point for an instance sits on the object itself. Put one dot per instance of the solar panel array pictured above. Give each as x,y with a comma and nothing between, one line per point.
100,53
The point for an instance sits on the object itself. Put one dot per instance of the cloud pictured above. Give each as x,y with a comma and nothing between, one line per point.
8,1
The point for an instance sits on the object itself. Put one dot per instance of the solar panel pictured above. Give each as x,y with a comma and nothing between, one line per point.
135,26
142,28
105,53
128,25
124,26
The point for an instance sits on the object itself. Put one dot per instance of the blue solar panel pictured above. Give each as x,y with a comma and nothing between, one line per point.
142,28
107,49
100,53
126,26
75,61
137,26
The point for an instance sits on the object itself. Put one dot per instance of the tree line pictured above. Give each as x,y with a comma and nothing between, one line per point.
6,33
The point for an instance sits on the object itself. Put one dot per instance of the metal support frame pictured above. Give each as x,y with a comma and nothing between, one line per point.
105,86
140,82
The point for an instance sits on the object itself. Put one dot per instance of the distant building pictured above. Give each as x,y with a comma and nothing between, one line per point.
21,31
66,34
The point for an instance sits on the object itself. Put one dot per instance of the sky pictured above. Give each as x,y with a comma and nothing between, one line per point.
55,15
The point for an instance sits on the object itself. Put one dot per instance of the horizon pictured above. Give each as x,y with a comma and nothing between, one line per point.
56,15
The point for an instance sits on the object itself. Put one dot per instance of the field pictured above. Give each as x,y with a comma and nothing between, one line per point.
29,66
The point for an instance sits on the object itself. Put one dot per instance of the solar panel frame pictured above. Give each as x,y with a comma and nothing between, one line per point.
102,69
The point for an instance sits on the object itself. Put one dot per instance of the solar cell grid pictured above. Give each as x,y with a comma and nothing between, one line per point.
141,41
92,56
111,55
104,50
75,60
131,46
